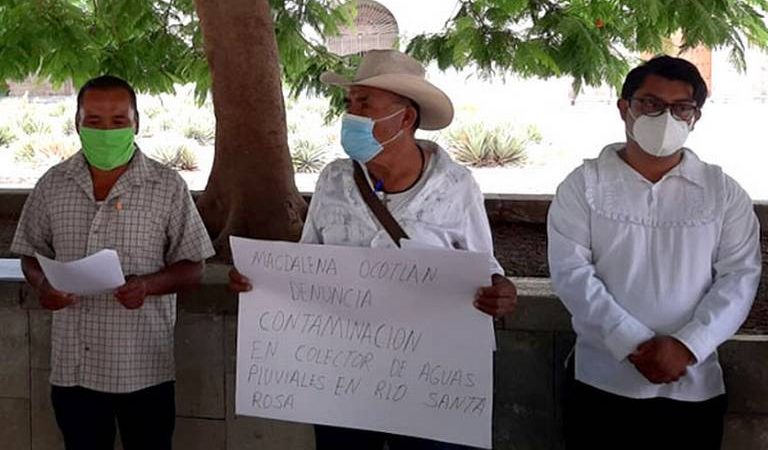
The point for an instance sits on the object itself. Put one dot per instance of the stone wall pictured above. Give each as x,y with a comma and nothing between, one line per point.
519,231
533,345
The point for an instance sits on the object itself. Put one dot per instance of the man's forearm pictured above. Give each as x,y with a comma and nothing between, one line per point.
174,278
32,271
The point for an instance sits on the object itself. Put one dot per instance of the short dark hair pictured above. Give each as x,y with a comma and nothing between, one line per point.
107,82
671,68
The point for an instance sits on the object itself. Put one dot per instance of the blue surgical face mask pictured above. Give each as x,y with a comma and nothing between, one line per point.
357,137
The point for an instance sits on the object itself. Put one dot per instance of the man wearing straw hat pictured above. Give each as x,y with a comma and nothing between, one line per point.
397,190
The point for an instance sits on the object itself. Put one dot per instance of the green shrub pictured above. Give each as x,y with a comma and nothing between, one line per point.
153,111
59,110
31,125
533,134
25,153
167,124
477,145
177,157
68,127
308,157
44,150
7,136
203,132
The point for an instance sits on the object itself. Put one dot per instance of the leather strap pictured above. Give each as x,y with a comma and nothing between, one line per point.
378,209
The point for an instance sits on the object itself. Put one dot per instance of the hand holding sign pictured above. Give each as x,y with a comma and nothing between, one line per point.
238,282
499,299
496,300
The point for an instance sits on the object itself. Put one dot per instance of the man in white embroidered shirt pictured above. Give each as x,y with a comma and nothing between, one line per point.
436,200
657,257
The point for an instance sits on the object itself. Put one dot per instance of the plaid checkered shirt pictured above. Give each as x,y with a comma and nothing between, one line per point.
150,219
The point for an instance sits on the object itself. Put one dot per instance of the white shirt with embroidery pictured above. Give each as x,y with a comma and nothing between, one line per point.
632,259
446,209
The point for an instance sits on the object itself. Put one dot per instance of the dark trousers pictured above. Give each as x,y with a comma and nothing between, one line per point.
88,419
334,438
596,420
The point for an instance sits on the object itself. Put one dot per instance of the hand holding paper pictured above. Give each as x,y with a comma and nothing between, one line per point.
94,274
132,293
52,299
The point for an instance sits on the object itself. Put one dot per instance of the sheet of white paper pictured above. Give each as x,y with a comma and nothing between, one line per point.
10,270
408,244
94,274
376,339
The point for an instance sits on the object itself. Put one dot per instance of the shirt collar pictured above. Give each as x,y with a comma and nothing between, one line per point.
613,168
139,172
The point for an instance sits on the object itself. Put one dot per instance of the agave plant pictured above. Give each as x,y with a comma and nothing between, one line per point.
7,136
31,125
177,157
44,150
479,146
470,145
308,157
202,131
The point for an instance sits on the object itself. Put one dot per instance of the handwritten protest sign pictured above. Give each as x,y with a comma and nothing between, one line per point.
376,339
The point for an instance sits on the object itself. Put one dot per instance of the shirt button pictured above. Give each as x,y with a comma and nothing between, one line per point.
87,348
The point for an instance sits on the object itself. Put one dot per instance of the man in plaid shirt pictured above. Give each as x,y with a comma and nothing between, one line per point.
112,354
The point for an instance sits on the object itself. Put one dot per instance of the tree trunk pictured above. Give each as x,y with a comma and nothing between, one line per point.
251,190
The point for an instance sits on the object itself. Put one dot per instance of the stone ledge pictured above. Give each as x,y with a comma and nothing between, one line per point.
504,207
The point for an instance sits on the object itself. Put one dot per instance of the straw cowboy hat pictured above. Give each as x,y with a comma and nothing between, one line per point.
397,72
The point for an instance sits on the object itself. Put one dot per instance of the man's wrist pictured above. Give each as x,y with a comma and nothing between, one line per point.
688,352
39,286
148,282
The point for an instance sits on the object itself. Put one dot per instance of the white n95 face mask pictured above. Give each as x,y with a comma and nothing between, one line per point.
659,136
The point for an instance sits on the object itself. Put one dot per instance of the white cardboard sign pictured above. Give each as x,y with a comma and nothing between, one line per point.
376,339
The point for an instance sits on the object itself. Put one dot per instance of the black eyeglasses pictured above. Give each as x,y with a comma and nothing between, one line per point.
654,107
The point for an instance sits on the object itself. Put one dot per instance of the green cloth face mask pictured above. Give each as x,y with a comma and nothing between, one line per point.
107,149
